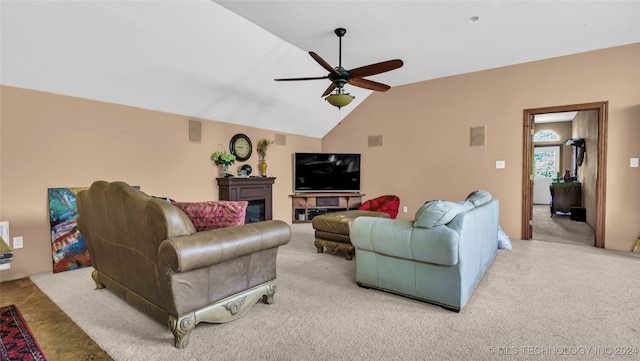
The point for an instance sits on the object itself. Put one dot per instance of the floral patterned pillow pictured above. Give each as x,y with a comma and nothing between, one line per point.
214,214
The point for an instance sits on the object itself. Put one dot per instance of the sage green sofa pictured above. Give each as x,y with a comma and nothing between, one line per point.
438,258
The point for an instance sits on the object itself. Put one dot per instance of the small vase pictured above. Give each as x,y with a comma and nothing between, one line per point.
262,165
567,175
225,170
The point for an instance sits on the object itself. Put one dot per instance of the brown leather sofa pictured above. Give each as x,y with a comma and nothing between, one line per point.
147,251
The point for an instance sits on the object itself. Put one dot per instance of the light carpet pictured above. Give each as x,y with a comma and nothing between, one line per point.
560,228
542,300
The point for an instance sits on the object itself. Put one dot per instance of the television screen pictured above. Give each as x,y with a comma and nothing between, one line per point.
326,172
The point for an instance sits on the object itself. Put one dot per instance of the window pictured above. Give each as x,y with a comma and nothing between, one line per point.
546,161
546,135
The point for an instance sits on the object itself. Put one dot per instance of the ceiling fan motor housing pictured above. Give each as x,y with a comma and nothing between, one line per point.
342,79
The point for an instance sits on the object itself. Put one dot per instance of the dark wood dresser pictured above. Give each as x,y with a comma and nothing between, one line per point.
565,195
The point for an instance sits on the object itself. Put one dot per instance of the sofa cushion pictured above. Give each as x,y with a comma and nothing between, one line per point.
479,197
436,213
214,214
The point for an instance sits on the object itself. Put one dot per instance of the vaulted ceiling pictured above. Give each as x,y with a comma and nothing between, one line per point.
217,59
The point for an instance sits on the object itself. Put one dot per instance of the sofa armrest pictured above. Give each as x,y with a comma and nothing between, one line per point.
398,238
202,249
478,229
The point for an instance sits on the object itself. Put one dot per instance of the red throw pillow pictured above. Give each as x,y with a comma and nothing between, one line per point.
388,204
214,214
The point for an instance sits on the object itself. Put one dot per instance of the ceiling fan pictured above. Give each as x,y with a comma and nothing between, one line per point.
340,76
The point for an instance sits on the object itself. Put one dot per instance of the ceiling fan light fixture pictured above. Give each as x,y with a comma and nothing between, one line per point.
339,99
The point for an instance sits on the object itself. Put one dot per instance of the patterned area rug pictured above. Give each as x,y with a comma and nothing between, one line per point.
16,340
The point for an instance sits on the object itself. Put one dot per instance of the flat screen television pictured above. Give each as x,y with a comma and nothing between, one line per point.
326,172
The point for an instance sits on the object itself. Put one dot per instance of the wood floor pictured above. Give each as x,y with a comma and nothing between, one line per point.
59,337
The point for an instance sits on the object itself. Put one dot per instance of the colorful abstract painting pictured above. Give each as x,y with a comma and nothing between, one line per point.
68,246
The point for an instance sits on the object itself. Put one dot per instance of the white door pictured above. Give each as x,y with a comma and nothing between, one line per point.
546,166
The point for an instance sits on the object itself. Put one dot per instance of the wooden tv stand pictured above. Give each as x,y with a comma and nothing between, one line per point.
305,206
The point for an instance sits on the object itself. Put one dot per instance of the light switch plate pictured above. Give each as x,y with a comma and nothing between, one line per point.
18,242
633,163
500,164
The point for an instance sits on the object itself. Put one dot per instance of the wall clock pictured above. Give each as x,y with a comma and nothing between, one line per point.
240,146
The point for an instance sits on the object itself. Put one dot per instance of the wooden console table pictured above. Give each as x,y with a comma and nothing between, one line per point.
255,190
564,196
305,206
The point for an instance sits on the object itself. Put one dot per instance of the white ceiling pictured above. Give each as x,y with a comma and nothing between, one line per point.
554,117
217,60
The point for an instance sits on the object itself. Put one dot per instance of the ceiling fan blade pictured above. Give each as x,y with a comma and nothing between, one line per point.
329,90
294,79
376,68
369,84
323,63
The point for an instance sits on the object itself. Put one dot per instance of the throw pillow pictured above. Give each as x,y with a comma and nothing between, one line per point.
214,214
503,240
479,197
435,213
388,204
466,205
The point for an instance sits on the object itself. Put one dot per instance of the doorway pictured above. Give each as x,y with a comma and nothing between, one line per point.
546,164
528,166
559,224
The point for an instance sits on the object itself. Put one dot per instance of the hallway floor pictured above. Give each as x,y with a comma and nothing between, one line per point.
560,228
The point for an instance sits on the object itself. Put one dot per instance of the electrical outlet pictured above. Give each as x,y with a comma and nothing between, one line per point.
500,164
404,209
18,242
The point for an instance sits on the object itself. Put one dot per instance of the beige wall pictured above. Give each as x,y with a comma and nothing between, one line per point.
50,140
425,128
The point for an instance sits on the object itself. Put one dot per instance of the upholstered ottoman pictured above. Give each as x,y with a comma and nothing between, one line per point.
332,230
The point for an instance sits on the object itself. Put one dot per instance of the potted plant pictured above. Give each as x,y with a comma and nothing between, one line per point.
224,159
261,148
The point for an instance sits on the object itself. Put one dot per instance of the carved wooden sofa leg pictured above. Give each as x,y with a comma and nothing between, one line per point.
94,275
220,312
181,328
270,291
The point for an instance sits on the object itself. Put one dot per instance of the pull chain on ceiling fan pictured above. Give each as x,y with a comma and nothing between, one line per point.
340,76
